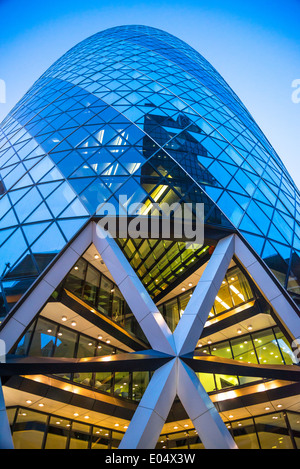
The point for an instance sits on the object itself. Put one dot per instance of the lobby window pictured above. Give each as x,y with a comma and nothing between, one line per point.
80,436
58,433
272,432
91,285
140,381
122,384
171,313
245,434
267,348
100,438
43,340
75,279
105,296
29,429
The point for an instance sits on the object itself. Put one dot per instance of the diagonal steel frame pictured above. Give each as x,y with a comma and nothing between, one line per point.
173,374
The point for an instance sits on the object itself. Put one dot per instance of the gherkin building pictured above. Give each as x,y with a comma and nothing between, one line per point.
140,342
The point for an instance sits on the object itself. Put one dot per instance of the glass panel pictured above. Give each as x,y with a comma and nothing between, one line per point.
22,347
223,299
221,350
243,349
58,432
294,421
117,306
103,382
65,343
43,339
100,438
86,348
245,435
207,381
105,296
140,380
171,313
272,432
287,353
116,439
80,436
91,285
239,286
75,279
29,430
183,301
266,347
122,382
103,350
226,381
177,440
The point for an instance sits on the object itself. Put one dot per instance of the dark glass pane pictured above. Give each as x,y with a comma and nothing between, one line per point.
58,432
272,432
43,340
100,438
80,436
105,296
245,435
29,429
75,278
140,380
66,342
118,306
91,285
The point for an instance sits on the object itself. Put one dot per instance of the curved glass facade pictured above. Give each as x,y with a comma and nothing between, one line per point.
135,111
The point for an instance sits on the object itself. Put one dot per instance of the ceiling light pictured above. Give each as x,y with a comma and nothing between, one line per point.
279,405
28,402
73,323
76,267
267,408
86,417
107,341
100,337
76,415
183,289
190,284
96,256
249,328
49,330
41,405
64,318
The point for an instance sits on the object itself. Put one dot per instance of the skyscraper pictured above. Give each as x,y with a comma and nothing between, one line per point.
141,336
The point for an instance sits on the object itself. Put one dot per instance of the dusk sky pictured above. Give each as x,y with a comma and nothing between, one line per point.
254,45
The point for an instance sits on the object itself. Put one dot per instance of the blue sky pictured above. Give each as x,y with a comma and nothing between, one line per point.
255,45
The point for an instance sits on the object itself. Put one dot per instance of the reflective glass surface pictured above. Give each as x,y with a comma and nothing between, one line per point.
135,111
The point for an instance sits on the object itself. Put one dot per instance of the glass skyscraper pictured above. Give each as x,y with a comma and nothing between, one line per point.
96,330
